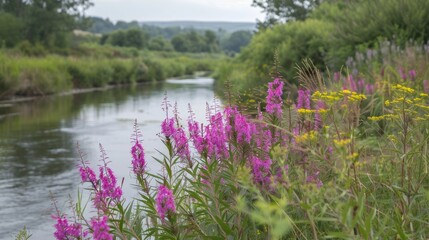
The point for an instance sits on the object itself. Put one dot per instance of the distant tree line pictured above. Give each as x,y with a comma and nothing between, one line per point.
132,34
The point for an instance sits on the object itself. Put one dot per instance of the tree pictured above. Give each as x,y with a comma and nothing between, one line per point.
160,44
47,21
11,30
236,41
285,10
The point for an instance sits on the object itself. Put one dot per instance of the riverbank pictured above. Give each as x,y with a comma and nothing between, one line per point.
28,76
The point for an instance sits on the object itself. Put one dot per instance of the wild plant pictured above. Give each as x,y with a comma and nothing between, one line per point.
297,170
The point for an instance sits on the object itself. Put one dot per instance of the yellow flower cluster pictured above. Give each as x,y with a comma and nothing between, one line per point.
408,101
403,89
353,156
306,137
383,117
310,111
331,97
342,142
305,111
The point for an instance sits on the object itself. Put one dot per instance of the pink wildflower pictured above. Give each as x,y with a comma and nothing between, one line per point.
181,144
337,76
138,161
165,202
369,89
167,127
101,229
261,170
215,137
108,189
314,178
303,100
412,74
350,84
274,97
195,136
64,230
237,124
87,174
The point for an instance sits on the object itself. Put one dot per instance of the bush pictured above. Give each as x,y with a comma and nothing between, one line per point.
364,23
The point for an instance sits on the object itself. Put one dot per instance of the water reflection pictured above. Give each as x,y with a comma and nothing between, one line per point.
38,139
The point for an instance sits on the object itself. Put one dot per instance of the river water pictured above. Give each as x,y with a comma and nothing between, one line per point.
38,155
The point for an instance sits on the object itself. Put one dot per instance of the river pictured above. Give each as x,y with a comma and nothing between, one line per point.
38,155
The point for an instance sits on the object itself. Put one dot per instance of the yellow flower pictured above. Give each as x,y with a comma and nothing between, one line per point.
305,111
403,88
306,137
342,142
353,156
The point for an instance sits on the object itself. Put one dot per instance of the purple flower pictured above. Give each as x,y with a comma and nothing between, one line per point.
64,230
303,100
361,85
412,74
101,229
195,136
274,97
108,189
215,137
337,76
314,179
369,88
261,171
167,127
350,84
165,202
181,144
138,161
87,175
237,124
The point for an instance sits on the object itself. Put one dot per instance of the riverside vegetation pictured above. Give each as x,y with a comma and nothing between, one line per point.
346,159
95,66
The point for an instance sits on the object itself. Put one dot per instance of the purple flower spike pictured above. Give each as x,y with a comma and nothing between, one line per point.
402,73
138,161
64,230
101,229
303,100
167,127
337,76
165,202
412,74
274,97
261,171
181,143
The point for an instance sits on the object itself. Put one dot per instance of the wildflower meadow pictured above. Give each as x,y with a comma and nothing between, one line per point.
343,157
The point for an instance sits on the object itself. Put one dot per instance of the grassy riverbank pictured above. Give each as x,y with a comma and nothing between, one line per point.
93,66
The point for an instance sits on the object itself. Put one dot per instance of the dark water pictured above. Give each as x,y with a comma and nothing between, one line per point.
38,144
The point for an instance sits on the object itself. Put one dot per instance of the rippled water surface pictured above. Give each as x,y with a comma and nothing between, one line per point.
38,140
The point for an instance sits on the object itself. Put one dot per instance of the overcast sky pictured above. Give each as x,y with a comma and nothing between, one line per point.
167,10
